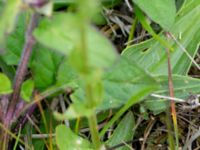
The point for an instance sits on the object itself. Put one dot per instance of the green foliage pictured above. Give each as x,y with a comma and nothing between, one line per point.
27,90
123,132
162,12
66,74
74,111
44,67
121,83
8,17
66,139
50,33
151,54
183,87
5,83
73,54
15,42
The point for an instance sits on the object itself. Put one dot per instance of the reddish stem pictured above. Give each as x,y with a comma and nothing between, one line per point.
21,71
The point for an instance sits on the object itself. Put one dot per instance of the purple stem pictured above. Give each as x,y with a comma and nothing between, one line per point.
21,71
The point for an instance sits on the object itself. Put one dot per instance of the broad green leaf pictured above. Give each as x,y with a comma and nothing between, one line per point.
15,42
161,11
67,140
121,83
183,87
8,17
62,33
155,105
136,98
147,27
111,3
5,84
99,19
66,74
27,90
94,80
151,55
84,6
8,70
44,67
179,4
124,132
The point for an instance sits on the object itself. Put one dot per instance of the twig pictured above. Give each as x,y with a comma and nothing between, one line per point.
188,144
147,131
62,104
41,136
129,5
168,98
36,128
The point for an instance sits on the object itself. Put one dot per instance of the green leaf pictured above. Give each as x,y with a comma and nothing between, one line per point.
111,3
155,106
161,11
44,67
124,132
66,139
15,42
66,74
63,33
8,70
122,82
136,98
8,17
84,6
27,90
147,27
151,55
5,84
183,87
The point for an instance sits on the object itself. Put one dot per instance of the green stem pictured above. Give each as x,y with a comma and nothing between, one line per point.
92,119
89,90
94,131
170,130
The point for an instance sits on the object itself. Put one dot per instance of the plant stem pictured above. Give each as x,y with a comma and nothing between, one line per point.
94,131
172,103
131,34
170,130
19,78
21,70
88,88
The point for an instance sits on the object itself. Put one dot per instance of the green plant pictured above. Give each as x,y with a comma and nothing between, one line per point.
64,55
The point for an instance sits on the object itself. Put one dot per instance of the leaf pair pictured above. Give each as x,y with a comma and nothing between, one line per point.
6,87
